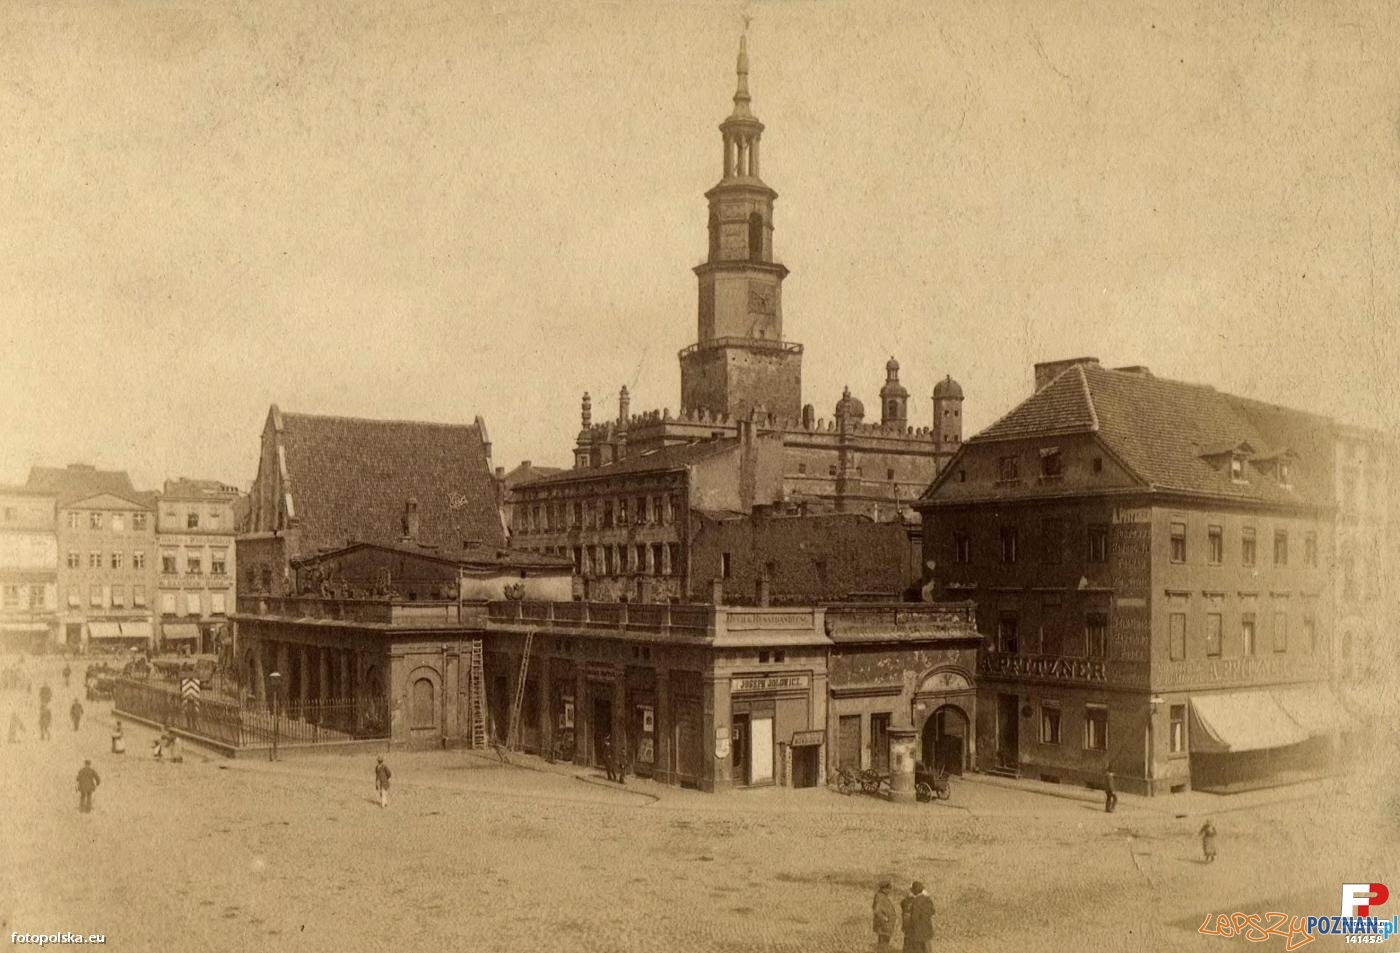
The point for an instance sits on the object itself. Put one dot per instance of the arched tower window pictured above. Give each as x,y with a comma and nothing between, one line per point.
755,237
714,236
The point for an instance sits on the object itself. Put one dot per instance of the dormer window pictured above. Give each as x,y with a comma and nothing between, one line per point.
1237,470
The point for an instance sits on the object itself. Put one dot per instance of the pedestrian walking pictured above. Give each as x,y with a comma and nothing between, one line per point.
381,781
45,719
620,752
917,910
67,672
45,695
608,758
1110,796
16,727
1208,841
118,739
75,712
87,783
883,914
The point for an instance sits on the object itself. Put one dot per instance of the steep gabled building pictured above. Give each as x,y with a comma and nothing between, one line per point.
324,482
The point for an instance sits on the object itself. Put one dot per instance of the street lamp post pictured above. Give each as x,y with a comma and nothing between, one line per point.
274,680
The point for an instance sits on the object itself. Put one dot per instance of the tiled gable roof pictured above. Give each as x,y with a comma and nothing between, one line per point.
78,481
650,461
1177,436
351,478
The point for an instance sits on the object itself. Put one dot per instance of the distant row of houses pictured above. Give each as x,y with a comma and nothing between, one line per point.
88,562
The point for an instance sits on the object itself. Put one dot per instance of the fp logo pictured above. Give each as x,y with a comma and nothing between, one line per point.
1358,899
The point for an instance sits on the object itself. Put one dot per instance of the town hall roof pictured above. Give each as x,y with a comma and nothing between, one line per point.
676,457
350,478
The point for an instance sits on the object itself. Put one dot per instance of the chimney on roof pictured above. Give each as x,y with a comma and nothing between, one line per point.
410,520
500,473
624,407
1047,371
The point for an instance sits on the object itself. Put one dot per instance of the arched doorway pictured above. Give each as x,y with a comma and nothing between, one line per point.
944,741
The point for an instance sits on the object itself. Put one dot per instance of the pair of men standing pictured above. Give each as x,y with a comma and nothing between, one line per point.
915,916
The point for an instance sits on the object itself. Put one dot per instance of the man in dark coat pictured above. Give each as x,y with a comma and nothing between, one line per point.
87,783
1110,797
883,915
608,758
918,920
45,719
75,712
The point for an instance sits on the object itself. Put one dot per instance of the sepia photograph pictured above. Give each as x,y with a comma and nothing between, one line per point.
631,476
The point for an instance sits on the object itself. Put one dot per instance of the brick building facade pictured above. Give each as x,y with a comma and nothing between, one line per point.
1150,564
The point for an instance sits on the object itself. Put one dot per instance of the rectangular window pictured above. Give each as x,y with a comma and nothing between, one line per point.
138,521
1008,470
1249,550
218,562
75,559
138,596
578,514
12,597
118,523
1008,633
1178,542
167,562
215,518
1280,632
118,597
1281,547
607,560
75,520
167,603
724,565
191,603
138,560
1237,470
578,560
622,512
1215,634
94,521
1052,543
1310,550
1178,729
95,596
643,510
36,596
94,560
641,557
1098,543
658,559
1215,545
1096,634
194,562
1049,723
1052,465
117,560
217,604
962,548
75,597
674,549
1009,540
1095,728
1178,636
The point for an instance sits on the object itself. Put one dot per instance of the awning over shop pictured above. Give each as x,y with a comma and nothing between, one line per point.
1241,721
136,630
1315,708
27,628
178,630
104,630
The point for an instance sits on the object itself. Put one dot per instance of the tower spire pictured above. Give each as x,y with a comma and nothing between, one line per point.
741,93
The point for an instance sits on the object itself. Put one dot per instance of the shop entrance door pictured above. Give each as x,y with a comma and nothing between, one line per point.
761,749
602,728
1008,731
739,750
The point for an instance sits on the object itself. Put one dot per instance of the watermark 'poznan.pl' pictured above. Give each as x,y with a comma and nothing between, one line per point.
58,939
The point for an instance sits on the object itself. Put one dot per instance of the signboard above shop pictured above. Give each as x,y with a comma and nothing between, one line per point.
768,683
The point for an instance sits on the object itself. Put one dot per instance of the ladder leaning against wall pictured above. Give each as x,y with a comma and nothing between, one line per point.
513,734
478,699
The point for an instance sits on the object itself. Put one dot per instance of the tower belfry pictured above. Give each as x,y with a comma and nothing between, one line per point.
740,360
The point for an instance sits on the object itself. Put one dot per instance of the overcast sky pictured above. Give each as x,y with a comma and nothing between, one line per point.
435,211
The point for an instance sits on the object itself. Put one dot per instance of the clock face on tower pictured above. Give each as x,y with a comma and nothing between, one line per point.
762,301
